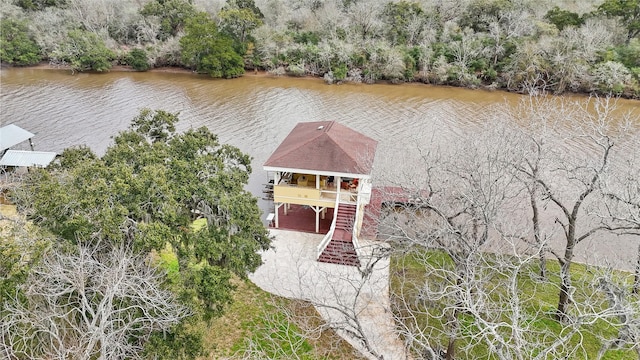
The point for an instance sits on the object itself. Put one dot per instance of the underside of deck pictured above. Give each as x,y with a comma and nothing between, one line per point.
340,249
302,218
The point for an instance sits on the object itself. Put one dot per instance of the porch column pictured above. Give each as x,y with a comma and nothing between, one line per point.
318,210
276,217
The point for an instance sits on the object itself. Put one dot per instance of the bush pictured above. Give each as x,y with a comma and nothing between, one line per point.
83,50
138,60
34,5
629,54
563,18
612,77
490,75
307,37
17,47
209,51
296,69
340,72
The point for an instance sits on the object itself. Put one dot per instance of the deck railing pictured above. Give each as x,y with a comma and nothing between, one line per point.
327,238
356,225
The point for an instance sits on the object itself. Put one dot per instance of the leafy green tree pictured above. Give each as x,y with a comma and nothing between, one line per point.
40,4
397,16
209,51
239,18
137,59
173,15
83,50
17,46
629,54
480,13
563,18
627,10
146,191
21,247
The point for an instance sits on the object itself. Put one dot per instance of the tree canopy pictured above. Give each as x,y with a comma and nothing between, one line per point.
146,191
627,10
239,19
17,46
83,50
173,15
525,46
209,51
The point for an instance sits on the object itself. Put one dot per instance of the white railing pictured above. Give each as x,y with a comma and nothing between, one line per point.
356,225
327,238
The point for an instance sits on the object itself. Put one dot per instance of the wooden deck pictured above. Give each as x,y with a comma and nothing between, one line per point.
302,218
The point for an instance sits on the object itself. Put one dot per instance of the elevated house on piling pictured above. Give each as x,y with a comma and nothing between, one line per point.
327,167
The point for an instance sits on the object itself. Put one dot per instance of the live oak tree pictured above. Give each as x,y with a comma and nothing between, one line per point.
239,18
627,10
146,191
208,51
17,46
21,247
172,15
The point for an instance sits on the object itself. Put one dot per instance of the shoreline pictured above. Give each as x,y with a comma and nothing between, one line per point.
265,74
165,69
250,73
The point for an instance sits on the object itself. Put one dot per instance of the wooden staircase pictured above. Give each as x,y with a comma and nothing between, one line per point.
340,249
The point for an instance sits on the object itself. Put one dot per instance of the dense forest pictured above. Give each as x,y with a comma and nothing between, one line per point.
519,45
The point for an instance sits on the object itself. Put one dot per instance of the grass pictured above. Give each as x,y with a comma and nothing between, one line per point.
262,324
8,210
271,327
410,272
198,224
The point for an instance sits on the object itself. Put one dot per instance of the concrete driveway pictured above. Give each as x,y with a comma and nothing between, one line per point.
349,302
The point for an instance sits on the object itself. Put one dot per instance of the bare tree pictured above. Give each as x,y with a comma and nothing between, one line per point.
622,200
573,151
364,17
625,307
457,205
465,209
499,300
88,304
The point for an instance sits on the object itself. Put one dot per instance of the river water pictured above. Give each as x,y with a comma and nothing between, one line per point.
254,113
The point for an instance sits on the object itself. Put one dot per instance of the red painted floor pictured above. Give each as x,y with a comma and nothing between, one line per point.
302,218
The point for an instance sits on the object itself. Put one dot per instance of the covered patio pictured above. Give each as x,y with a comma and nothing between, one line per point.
303,218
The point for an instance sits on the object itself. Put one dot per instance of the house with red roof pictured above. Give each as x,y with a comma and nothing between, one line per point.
327,167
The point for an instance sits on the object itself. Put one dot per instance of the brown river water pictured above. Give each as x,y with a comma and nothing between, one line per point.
253,112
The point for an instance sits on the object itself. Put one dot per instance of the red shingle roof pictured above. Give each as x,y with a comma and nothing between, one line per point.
325,146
